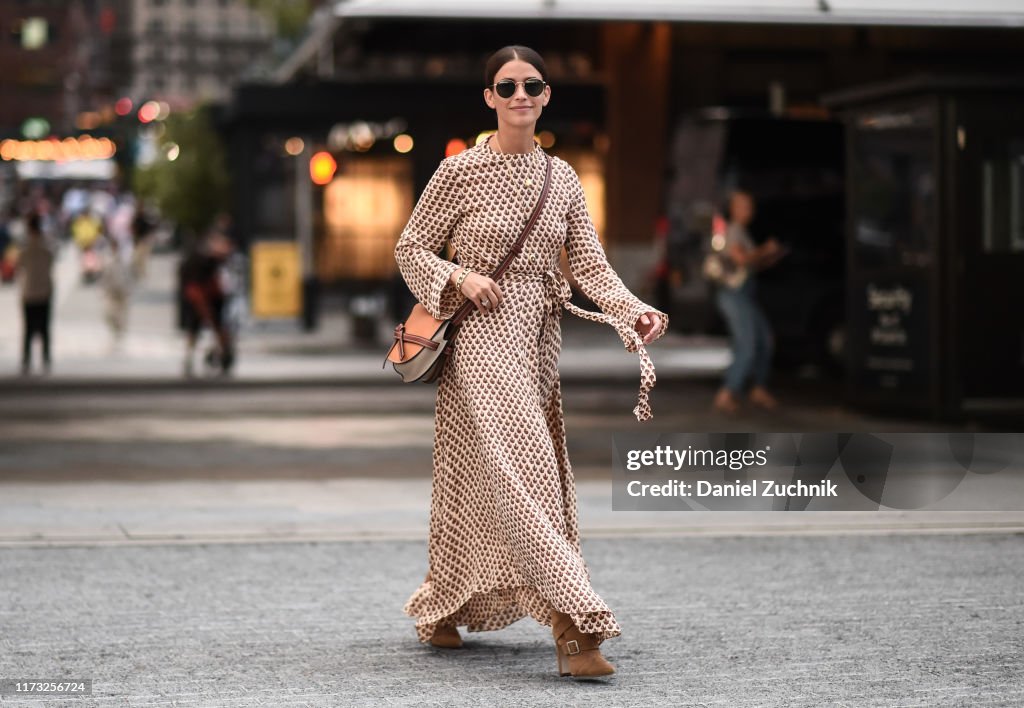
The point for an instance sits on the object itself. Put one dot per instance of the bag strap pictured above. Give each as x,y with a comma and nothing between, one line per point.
517,248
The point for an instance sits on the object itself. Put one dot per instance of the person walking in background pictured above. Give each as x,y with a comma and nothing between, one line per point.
752,337
119,225
231,271
142,241
203,300
87,233
35,270
117,287
14,227
8,248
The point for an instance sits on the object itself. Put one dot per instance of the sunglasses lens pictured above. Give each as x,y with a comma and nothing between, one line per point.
534,87
505,89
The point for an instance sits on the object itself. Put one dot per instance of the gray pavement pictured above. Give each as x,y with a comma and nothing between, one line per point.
300,464
255,547
910,620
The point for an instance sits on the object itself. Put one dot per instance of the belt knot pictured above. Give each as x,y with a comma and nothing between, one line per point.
556,288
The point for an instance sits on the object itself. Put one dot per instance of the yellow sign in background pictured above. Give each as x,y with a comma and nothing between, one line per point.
276,279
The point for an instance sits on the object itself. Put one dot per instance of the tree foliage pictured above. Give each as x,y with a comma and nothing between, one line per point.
289,16
193,188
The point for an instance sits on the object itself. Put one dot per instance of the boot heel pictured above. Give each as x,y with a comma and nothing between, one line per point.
563,662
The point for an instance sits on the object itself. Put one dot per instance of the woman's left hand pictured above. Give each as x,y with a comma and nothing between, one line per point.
648,326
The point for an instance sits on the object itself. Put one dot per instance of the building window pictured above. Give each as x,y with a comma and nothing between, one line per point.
1002,184
156,26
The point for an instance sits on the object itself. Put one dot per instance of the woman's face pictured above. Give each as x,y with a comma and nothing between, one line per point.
520,109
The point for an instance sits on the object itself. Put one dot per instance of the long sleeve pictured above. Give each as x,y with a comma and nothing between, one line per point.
427,274
595,275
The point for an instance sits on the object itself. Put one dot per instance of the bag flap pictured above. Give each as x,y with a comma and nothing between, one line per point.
421,323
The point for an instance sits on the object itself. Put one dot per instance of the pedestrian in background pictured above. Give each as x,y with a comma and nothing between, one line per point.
751,334
87,234
35,270
117,287
142,241
203,301
504,540
8,248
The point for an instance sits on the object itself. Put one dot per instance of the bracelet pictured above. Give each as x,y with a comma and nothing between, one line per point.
462,277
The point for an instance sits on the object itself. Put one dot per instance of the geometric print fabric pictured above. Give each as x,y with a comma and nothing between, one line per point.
503,536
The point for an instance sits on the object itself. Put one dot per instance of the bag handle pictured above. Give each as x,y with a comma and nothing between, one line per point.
517,248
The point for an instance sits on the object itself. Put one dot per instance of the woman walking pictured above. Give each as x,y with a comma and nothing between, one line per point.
503,540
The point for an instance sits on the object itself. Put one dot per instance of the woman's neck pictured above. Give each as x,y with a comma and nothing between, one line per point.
514,140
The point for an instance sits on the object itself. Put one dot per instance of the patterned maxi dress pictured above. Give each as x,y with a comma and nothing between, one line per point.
503,539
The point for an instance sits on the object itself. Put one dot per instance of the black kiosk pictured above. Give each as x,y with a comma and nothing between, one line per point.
935,245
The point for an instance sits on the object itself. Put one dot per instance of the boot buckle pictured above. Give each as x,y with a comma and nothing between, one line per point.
572,647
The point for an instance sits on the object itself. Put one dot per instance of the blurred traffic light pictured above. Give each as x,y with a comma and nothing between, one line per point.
322,167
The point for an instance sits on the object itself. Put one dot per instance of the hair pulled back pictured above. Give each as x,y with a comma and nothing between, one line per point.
511,53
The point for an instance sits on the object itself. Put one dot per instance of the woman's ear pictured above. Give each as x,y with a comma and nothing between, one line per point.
488,98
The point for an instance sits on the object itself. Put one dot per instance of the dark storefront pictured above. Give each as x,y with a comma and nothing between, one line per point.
935,244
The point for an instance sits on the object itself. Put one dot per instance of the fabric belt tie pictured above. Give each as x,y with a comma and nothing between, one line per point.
558,293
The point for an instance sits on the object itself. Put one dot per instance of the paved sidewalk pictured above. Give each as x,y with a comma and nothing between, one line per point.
111,512
278,351
914,620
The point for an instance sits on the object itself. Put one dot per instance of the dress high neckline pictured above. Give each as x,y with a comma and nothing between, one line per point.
491,149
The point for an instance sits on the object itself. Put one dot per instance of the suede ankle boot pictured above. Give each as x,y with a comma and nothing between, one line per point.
578,653
446,636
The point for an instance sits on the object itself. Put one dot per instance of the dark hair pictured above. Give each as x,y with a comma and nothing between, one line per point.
511,53
33,222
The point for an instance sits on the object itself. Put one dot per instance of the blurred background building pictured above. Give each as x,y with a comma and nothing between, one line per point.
183,51
56,59
66,58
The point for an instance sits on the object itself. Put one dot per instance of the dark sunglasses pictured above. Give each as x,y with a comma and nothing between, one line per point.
506,88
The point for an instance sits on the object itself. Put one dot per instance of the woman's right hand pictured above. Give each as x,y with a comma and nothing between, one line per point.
483,291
